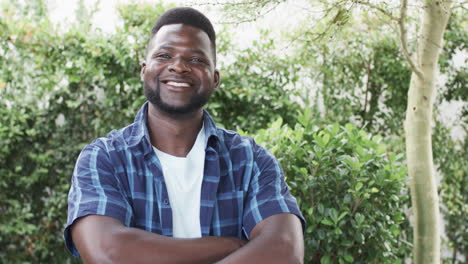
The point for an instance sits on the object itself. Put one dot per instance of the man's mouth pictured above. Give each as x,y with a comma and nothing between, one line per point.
178,84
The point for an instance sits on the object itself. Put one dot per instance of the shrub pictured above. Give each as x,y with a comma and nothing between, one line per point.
350,188
257,83
451,156
58,92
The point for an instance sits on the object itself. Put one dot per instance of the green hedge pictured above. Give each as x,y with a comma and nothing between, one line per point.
351,188
59,90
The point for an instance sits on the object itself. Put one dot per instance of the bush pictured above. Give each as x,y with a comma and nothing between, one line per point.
257,83
58,92
453,191
350,188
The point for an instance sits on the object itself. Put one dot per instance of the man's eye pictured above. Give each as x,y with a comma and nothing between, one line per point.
163,56
197,60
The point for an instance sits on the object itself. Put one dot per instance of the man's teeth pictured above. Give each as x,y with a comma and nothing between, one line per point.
178,84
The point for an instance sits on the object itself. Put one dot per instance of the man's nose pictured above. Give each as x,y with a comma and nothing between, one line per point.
179,66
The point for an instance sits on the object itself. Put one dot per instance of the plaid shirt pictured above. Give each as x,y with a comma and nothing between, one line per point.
120,176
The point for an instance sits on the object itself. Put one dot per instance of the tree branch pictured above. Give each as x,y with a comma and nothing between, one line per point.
461,5
373,6
244,11
316,36
227,3
251,19
404,40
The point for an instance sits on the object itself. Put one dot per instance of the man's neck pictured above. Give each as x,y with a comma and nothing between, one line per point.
174,136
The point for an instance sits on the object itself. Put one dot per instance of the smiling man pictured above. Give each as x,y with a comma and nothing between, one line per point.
172,187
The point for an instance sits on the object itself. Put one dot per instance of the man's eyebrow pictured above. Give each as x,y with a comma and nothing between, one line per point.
198,51
191,50
167,47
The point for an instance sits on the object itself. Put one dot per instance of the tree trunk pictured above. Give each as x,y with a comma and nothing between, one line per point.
418,132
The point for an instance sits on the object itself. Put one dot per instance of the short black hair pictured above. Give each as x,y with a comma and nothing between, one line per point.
188,16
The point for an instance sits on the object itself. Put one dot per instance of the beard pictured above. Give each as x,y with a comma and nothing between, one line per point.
196,102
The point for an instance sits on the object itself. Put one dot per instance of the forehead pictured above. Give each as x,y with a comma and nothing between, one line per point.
181,36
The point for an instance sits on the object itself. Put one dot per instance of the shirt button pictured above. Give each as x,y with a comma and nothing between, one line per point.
166,202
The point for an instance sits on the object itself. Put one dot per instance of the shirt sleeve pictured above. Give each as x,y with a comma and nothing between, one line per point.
268,193
95,190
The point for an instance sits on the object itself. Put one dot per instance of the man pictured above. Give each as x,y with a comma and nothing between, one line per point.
172,187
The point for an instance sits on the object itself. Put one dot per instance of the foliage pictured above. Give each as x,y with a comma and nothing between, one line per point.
450,154
257,83
350,187
56,94
451,157
360,76
457,77
62,88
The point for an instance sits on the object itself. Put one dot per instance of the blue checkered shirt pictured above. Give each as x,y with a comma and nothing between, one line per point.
120,176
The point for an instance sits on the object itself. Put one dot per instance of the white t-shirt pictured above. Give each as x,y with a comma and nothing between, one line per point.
183,177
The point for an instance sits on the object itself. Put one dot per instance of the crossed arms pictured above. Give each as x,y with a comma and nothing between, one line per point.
103,239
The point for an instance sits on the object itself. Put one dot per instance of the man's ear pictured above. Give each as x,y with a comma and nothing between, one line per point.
217,78
143,70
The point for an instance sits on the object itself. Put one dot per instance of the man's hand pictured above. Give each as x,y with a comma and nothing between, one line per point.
277,239
103,239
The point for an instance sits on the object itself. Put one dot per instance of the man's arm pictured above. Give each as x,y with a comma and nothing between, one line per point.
271,217
277,239
103,239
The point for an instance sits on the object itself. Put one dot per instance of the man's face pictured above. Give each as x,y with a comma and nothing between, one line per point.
179,74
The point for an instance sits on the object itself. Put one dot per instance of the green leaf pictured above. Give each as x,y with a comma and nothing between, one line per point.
326,139
277,124
335,129
346,243
349,258
358,186
305,117
349,127
320,208
381,149
359,218
341,216
325,260
333,214
327,222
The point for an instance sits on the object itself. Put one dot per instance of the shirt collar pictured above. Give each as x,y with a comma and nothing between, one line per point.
210,128
139,129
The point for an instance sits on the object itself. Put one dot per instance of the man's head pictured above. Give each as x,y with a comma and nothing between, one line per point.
179,72
187,16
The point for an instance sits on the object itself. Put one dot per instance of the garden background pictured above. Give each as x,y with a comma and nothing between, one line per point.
327,98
